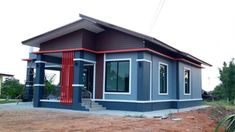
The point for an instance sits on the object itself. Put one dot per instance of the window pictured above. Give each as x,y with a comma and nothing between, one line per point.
117,76
187,80
163,78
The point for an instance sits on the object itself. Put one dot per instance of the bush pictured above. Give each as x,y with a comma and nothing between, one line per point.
11,88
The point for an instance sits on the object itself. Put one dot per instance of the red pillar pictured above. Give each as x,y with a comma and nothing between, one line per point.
67,77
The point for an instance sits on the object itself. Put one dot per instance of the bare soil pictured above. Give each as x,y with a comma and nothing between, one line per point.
41,120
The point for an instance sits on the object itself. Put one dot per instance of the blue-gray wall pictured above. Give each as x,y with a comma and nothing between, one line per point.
196,82
133,92
174,92
156,60
89,56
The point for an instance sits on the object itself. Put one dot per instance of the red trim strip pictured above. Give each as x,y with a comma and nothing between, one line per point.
119,51
27,59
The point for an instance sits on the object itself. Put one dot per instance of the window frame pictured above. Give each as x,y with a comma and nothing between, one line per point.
190,80
167,73
105,72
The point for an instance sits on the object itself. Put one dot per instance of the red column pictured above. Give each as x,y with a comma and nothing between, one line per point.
67,77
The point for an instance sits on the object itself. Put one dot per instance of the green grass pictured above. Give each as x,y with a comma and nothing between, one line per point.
222,103
4,101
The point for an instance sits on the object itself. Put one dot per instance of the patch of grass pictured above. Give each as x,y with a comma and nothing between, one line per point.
4,101
220,103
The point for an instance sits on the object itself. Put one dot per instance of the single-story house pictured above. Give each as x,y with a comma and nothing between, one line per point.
106,66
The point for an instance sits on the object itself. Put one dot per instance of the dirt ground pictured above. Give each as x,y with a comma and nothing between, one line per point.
39,120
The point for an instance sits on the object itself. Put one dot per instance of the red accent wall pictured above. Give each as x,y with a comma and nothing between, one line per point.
99,76
67,78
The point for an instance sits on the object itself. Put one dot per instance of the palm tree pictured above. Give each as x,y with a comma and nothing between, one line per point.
228,122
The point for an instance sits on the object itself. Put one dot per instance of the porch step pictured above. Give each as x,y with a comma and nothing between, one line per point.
91,105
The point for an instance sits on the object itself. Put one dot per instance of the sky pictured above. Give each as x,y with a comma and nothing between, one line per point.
203,28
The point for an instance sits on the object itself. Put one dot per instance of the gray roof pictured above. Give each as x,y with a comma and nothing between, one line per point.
95,26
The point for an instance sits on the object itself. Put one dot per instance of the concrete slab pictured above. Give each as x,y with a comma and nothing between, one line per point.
13,106
150,114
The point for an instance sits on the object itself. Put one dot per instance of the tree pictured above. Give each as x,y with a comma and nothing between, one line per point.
227,78
49,86
219,91
12,88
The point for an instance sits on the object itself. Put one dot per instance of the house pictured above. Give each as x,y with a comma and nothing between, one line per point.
112,67
1,79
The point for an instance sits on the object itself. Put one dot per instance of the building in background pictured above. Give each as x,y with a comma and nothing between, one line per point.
1,79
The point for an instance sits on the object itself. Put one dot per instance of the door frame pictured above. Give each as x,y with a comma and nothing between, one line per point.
94,74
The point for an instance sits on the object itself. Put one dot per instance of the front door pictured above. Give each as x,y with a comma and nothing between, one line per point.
88,77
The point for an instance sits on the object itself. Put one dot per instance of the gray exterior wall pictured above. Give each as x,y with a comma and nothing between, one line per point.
196,82
89,56
173,79
154,87
133,64
143,80
155,77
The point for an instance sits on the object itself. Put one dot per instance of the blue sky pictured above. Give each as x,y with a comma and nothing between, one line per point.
203,28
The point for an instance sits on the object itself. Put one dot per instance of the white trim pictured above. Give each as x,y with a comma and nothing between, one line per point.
78,85
104,68
28,85
41,62
121,93
190,99
144,60
56,66
36,85
94,73
167,84
148,101
190,80
85,60
120,59
151,79
47,100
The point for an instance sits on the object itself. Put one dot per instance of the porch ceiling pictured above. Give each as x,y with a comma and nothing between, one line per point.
80,24
59,54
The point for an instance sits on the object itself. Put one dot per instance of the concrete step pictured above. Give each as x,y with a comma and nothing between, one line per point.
91,105
97,109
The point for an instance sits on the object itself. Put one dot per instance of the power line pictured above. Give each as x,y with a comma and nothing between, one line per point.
156,14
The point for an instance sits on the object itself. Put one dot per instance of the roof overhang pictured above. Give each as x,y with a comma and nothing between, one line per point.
144,37
69,28
6,75
97,26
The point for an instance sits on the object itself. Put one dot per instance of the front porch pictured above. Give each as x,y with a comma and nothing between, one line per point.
76,87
